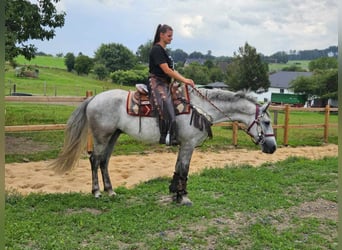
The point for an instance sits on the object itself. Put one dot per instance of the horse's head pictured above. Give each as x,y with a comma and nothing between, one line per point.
261,131
241,107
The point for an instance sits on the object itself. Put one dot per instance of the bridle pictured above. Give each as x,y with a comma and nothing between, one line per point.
256,122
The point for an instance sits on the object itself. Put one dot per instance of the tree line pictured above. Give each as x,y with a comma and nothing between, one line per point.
246,69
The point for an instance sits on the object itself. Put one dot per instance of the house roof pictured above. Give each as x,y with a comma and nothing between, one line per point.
220,85
188,61
282,79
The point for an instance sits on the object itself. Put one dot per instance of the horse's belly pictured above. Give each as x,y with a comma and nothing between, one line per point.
145,130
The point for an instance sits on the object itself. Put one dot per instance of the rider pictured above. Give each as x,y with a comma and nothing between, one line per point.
162,74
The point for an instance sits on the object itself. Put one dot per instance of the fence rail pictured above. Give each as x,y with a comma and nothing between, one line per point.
71,100
46,99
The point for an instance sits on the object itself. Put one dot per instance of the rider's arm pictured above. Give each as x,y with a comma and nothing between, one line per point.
174,74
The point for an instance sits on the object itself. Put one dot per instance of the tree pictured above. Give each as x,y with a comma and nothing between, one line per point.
143,52
83,64
280,57
69,61
178,55
28,21
323,63
196,55
247,71
115,57
101,71
129,77
216,74
323,84
197,72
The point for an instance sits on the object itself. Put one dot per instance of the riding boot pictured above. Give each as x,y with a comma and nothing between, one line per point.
171,137
163,131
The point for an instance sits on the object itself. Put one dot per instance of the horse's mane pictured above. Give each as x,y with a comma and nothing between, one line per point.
225,95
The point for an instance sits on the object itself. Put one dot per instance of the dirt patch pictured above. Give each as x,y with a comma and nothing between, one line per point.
129,170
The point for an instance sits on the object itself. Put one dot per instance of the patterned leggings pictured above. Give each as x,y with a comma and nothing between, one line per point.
162,101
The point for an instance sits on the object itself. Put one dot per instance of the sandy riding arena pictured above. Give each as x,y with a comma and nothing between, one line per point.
131,170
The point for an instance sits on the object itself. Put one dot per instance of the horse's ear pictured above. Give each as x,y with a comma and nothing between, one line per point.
265,107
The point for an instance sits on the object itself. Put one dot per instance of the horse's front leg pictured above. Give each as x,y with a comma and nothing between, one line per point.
179,181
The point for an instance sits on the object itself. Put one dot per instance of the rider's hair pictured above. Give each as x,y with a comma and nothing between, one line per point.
161,29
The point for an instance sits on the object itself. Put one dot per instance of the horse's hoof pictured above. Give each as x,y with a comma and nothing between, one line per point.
97,194
182,200
111,193
185,201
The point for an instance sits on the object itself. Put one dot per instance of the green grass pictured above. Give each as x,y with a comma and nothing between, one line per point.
54,79
304,64
55,82
238,207
42,61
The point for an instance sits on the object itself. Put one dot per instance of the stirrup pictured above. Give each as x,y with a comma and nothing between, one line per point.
171,141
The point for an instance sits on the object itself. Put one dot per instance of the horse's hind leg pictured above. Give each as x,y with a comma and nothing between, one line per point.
94,162
104,164
101,157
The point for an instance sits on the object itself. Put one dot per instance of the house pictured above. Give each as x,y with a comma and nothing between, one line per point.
280,83
188,61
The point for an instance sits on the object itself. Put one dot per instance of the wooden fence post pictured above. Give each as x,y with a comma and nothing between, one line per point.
275,122
326,123
90,137
286,124
235,133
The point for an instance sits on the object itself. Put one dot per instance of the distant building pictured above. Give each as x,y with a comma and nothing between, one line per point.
280,83
215,85
188,61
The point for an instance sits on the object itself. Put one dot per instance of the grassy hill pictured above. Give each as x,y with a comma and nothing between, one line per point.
279,66
43,61
53,79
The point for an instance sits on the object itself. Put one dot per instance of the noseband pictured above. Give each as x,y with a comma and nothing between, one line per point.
261,134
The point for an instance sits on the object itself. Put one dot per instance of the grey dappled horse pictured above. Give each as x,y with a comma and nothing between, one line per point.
105,114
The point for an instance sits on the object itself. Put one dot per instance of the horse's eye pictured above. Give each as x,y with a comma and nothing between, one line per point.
267,123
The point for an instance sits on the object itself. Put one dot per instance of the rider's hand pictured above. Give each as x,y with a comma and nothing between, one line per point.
189,82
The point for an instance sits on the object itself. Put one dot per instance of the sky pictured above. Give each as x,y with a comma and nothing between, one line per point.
218,26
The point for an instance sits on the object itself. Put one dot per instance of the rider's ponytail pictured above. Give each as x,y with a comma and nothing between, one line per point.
160,29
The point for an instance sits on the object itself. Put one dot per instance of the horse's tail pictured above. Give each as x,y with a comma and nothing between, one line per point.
74,141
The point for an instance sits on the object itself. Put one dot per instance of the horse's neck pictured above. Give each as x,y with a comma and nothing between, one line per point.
220,111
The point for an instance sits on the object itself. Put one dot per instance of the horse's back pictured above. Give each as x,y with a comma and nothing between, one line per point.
106,107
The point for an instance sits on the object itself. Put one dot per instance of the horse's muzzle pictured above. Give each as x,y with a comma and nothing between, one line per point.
268,149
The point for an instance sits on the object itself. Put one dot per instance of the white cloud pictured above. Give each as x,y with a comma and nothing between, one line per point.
217,25
190,25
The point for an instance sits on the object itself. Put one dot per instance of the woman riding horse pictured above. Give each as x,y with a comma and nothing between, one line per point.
161,75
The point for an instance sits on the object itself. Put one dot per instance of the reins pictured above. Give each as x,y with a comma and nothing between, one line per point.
212,104
261,135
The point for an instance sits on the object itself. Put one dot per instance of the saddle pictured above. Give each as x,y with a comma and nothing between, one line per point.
138,101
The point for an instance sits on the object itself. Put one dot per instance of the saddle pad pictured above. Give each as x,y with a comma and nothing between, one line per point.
138,107
139,104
